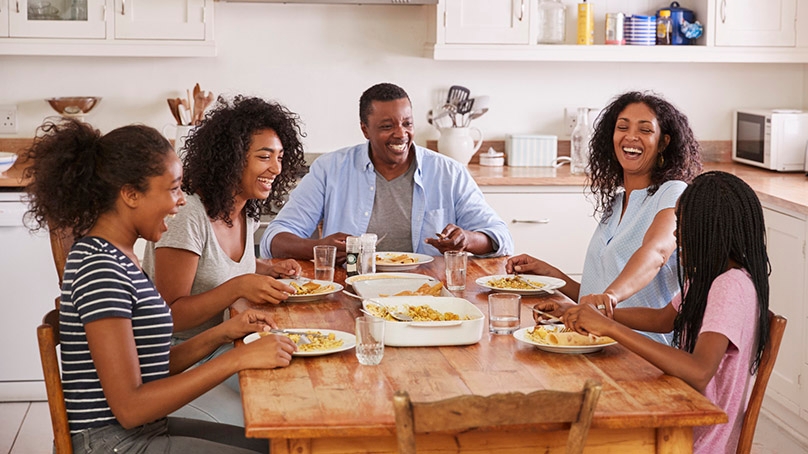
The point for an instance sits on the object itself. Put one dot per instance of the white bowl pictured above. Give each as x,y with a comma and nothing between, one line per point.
6,160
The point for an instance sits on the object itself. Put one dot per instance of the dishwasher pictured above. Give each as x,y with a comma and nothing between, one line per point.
28,289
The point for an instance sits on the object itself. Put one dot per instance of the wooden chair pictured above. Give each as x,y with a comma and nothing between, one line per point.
463,413
61,241
777,325
48,337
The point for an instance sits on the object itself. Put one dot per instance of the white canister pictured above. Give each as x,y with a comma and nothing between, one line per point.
492,158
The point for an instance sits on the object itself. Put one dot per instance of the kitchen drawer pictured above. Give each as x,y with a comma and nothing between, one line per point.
551,226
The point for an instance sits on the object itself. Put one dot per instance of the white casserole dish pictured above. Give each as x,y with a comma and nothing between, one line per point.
432,334
374,288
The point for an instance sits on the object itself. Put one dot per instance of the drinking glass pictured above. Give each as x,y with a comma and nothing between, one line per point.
504,310
455,269
324,259
369,340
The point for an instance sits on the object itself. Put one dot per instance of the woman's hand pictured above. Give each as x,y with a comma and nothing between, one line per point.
551,307
604,302
526,264
260,289
288,268
586,319
249,321
268,352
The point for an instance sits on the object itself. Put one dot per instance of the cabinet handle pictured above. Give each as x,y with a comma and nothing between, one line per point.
18,6
123,7
723,11
521,10
530,221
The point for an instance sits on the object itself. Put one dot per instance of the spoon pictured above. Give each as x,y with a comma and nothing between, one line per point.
400,316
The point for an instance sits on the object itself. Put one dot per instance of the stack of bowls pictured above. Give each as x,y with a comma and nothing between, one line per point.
640,30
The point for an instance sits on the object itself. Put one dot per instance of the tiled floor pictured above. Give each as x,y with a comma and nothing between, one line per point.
25,429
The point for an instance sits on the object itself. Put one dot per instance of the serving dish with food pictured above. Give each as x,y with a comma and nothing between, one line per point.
400,261
558,339
310,290
351,280
523,284
424,286
322,341
437,320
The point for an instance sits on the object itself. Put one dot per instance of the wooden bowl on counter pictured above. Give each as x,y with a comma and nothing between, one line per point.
74,105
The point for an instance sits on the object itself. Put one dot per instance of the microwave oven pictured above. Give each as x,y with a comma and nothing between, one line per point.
772,139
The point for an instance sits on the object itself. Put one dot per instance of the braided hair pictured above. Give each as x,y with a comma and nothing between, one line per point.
681,157
719,218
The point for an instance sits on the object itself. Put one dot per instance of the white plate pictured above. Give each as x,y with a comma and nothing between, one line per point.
317,296
348,341
421,259
550,283
374,288
364,277
521,335
431,334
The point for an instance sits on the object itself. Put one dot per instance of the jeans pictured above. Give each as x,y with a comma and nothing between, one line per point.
168,436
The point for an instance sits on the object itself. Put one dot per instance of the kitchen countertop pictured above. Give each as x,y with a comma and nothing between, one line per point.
785,190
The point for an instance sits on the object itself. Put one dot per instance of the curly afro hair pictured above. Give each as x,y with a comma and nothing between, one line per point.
77,173
682,156
216,154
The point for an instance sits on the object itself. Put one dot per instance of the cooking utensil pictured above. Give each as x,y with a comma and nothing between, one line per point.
400,316
173,106
457,94
548,315
479,109
463,108
302,340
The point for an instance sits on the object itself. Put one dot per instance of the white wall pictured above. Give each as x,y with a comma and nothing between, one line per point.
317,59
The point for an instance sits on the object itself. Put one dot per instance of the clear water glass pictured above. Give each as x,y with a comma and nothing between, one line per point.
455,262
369,340
324,259
504,311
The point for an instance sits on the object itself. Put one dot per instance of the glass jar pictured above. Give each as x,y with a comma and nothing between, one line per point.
579,143
552,22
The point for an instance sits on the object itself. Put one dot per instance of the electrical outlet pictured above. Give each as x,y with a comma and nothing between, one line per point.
8,119
570,119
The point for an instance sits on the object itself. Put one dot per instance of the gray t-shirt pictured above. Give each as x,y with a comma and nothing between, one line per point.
392,211
192,231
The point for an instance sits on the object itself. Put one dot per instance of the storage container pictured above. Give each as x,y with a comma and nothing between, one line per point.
531,150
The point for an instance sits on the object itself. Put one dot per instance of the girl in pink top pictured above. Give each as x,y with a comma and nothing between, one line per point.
721,326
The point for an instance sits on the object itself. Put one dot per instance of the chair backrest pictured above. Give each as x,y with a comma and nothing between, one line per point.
777,325
48,337
61,241
498,410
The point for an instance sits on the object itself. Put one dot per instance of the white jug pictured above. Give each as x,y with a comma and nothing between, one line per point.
458,144
180,135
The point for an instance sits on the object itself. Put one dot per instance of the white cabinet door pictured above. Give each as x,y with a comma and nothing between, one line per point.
785,240
160,19
57,19
487,21
4,7
756,23
552,226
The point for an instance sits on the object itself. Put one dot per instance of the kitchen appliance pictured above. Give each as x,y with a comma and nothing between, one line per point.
772,139
29,285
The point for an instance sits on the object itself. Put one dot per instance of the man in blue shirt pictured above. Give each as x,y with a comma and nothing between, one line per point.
414,199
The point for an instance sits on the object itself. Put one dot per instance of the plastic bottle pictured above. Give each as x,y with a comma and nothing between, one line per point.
367,260
586,24
352,249
663,28
579,143
552,22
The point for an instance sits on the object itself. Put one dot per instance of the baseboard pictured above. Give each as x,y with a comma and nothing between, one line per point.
793,425
23,391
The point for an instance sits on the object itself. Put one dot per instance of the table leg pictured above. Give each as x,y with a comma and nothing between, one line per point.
674,440
290,446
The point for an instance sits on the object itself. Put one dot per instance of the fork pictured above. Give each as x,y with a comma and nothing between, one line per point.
303,340
532,285
548,315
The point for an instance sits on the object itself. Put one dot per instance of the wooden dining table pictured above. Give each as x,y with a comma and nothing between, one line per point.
332,404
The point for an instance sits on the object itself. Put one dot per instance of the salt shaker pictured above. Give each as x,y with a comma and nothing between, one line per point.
352,249
367,261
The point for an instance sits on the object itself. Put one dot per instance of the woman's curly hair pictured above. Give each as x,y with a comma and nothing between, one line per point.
215,154
681,157
77,174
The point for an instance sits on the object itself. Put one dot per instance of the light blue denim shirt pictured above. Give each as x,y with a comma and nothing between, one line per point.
340,187
616,240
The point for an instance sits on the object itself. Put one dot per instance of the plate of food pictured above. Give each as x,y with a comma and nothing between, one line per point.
557,339
310,290
523,284
400,261
323,341
424,286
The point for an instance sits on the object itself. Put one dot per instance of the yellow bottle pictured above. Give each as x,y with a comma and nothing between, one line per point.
586,24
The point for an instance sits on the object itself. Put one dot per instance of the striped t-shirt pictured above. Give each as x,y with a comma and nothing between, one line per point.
99,282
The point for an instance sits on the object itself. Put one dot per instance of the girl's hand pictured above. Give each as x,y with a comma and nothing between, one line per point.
268,352
526,264
552,308
249,321
586,319
288,268
604,302
260,289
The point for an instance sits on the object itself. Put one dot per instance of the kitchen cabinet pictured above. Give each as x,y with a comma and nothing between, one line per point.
735,31
756,23
552,223
786,234
487,21
108,28
3,19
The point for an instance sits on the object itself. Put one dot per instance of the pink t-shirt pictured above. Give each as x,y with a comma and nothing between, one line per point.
732,311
